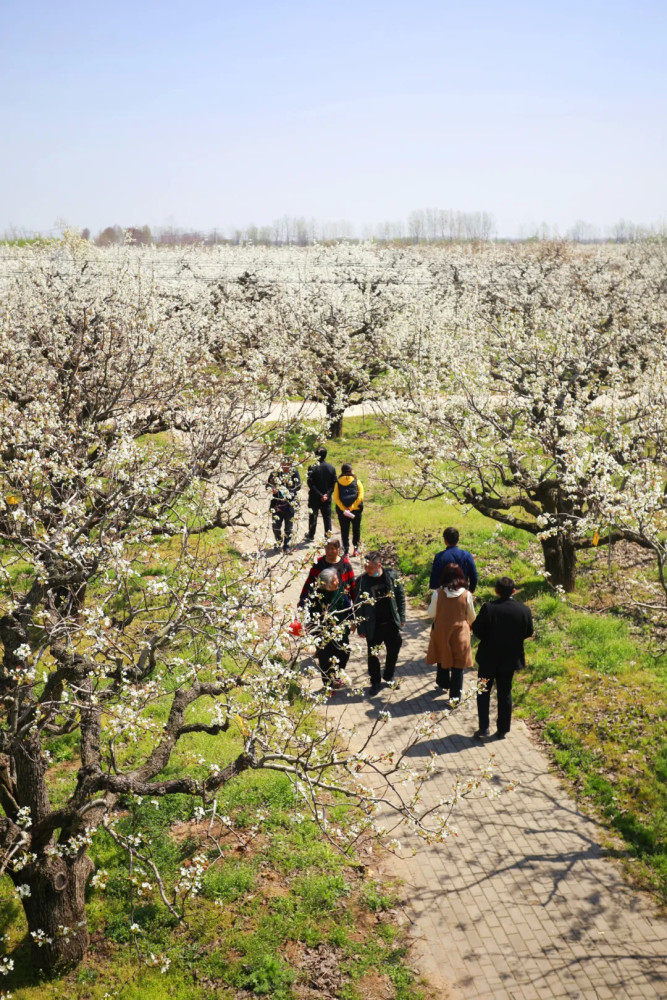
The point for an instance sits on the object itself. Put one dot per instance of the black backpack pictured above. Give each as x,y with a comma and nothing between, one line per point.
348,494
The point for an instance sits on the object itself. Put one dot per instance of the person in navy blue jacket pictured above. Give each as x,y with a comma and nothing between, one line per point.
453,554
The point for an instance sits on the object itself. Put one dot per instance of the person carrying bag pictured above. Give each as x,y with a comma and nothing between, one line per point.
349,499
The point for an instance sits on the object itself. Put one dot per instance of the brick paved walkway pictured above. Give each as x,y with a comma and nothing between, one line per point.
523,905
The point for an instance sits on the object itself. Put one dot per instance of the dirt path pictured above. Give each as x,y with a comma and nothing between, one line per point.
523,904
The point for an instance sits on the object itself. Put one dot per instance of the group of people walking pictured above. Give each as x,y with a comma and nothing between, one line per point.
502,626
324,486
374,605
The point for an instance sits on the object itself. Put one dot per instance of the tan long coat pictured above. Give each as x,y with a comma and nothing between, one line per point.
450,638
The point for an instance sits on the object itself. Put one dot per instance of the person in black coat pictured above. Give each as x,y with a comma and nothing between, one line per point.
321,480
501,626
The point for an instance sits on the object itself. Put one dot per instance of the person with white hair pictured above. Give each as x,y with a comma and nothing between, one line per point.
330,611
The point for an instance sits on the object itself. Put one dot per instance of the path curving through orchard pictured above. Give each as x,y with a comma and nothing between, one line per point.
525,903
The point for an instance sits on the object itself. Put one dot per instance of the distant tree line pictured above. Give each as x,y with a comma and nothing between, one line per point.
425,225
422,226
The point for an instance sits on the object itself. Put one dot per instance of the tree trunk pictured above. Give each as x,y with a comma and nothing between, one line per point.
336,426
560,561
56,907
335,412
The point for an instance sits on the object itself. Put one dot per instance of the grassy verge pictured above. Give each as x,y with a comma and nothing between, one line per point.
280,912
593,687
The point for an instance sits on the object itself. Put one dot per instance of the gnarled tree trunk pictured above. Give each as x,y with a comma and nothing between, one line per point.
56,906
560,561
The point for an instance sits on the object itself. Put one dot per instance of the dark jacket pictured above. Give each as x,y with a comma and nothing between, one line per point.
321,479
453,554
328,611
501,626
286,487
365,610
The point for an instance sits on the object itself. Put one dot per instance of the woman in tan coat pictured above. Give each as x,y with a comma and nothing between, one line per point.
453,613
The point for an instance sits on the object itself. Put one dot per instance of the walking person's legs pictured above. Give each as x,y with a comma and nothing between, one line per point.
324,662
344,523
483,700
312,520
374,670
393,640
326,516
338,662
289,527
504,688
442,678
277,526
456,684
356,530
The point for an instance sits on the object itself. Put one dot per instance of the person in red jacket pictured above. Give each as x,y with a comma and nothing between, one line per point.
334,558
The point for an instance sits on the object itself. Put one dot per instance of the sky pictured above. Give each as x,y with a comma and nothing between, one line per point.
218,115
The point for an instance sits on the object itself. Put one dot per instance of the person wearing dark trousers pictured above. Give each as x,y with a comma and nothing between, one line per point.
321,479
330,613
501,626
453,612
466,563
379,601
284,485
349,499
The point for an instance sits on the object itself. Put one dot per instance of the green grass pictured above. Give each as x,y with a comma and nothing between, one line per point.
591,680
258,909
258,912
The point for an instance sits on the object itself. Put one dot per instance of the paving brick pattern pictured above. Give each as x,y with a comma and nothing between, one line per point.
523,904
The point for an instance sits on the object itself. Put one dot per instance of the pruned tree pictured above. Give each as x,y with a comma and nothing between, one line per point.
94,365
334,322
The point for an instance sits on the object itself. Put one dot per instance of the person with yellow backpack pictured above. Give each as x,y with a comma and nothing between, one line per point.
349,499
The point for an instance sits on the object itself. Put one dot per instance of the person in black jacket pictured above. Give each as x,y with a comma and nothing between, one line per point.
321,479
379,600
501,626
330,614
284,486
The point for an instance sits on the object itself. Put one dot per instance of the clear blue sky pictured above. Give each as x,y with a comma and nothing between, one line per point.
216,114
